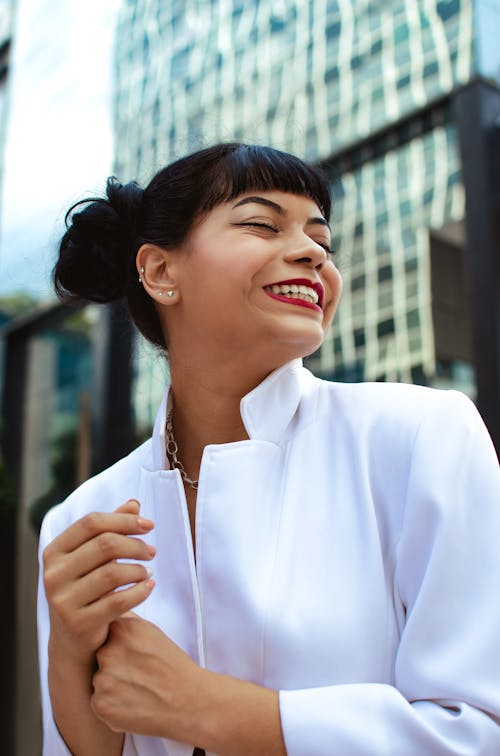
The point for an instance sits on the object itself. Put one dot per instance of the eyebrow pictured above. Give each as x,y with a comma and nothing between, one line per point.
319,220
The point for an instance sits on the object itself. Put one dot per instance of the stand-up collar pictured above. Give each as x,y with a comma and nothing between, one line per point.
160,459
266,411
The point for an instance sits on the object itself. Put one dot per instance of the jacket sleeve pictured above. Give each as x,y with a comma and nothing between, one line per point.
53,743
446,696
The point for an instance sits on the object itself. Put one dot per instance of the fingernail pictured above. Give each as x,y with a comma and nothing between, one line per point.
145,524
151,583
151,550
149,571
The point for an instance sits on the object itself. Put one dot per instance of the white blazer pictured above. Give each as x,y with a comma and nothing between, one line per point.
348,555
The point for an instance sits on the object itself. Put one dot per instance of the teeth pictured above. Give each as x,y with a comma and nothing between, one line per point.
295,291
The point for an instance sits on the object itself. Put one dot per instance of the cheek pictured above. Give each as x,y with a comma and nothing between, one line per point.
334,282
226,267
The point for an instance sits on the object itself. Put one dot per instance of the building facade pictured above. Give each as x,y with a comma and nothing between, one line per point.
362,87
7,16
309,76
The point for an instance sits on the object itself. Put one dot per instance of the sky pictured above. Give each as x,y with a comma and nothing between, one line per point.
59,144
488,30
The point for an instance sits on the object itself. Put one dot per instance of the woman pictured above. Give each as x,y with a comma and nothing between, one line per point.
325,556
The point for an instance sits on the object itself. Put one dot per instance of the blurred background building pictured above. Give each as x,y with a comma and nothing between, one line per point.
370,91
7,11
399,101
55,142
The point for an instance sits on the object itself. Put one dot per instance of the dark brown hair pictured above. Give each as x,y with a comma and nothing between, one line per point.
98,250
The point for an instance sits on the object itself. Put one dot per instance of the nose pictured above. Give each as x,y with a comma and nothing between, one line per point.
305,250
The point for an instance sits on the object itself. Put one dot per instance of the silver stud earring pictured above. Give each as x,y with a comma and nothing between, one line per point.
141,274
170,293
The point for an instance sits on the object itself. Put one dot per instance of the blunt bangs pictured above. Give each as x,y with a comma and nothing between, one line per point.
245,168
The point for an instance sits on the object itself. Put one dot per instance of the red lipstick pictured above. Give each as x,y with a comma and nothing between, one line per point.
315,285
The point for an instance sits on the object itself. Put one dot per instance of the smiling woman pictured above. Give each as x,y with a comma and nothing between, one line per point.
322,552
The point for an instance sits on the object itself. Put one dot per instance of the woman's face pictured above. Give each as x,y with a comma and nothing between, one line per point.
255,279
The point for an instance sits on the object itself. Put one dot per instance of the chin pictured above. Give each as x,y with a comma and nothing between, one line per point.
300,348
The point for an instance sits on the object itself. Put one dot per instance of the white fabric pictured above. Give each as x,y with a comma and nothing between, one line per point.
348,555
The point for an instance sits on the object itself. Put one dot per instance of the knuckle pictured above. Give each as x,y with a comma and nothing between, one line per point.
57,602
100,701
111,572
92,523
47,555
105,685
121,601
102,659
49,580
60,607
107,544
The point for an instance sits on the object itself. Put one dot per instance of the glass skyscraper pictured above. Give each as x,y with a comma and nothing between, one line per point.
364,88
309,76
7,11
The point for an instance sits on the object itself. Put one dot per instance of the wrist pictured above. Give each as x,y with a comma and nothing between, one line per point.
207,719
237,717
64,655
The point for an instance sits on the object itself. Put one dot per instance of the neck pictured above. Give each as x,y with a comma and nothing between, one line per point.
207,409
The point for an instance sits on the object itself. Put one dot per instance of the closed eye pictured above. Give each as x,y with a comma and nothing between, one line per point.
258,225
325,245
276,230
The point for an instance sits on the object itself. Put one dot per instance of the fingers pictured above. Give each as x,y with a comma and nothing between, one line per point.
107,579
94,524
81,631
131,506
64,565
107,547
87,583
113,605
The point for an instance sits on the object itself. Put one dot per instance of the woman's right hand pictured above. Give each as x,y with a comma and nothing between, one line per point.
81,575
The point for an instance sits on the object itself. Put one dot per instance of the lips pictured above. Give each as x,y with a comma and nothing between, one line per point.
298,291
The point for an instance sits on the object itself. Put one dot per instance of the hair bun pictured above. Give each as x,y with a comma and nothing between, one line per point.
97,252
126,200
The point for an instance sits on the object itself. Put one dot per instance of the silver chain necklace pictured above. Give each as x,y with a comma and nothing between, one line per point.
172,449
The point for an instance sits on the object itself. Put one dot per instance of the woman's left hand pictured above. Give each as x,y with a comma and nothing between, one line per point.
145,683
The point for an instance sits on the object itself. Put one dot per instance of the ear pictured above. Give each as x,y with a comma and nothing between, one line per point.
156,270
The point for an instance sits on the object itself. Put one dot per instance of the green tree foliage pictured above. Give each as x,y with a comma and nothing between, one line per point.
15,305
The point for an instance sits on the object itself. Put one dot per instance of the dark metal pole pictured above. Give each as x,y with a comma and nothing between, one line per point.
477,108
14,371
112,435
